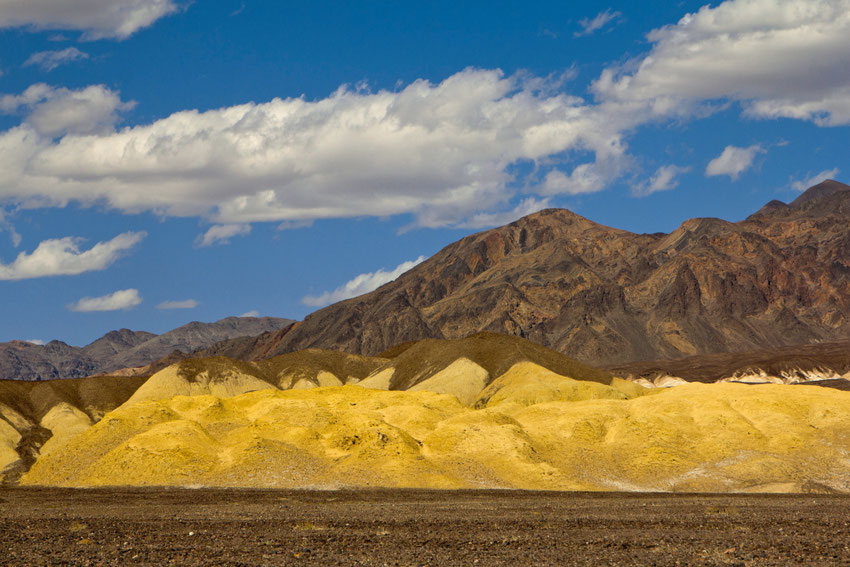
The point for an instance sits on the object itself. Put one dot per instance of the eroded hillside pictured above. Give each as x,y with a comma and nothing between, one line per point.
486,411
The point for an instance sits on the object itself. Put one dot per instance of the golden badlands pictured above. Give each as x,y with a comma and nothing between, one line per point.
483,412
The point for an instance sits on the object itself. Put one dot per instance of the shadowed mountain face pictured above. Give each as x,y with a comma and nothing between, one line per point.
607,296
121,349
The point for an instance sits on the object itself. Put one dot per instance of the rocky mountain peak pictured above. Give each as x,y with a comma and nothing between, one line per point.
822,190
604,295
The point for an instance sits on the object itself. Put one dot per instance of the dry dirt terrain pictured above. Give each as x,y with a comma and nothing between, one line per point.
399,527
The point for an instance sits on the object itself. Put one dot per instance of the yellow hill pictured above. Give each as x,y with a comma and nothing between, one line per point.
218,376
312,364
415,362
536,431
9,439
227,377
527,384
32,413
462,378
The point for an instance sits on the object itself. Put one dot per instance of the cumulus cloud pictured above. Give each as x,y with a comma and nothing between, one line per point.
780,58
49,60
52,112
440,151
364,283
38,342
96,18
120,300
664,179
587,177
733,161
222,233
181,304
252,313
528,206
591,25
63,257
812,180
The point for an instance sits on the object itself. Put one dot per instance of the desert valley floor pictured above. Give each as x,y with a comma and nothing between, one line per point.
240,527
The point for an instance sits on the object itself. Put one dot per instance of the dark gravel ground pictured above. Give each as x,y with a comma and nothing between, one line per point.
412,527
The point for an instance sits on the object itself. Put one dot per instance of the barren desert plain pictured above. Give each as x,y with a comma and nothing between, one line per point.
246,527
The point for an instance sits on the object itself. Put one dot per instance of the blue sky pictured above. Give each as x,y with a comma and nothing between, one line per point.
164,161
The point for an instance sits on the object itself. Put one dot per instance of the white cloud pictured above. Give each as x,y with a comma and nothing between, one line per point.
591,25
733,161
780,58
38,342
222,233
62,257
587,177
812,180
528,206
97,18
122,299
252,313
49,60
664,179
54,111
440,152
182,304
295,225
7,226
364,283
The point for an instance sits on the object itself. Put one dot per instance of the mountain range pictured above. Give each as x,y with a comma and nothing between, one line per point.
606,296
21,360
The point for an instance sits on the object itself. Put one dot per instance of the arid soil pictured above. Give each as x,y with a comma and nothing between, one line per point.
264,527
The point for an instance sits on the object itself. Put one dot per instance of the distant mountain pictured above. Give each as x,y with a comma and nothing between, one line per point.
21,360
190,337
116,342
606,296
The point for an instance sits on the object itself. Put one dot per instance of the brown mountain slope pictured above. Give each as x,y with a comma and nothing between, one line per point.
607,296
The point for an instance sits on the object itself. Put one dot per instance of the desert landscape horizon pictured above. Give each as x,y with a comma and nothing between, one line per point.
434,283
195,409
